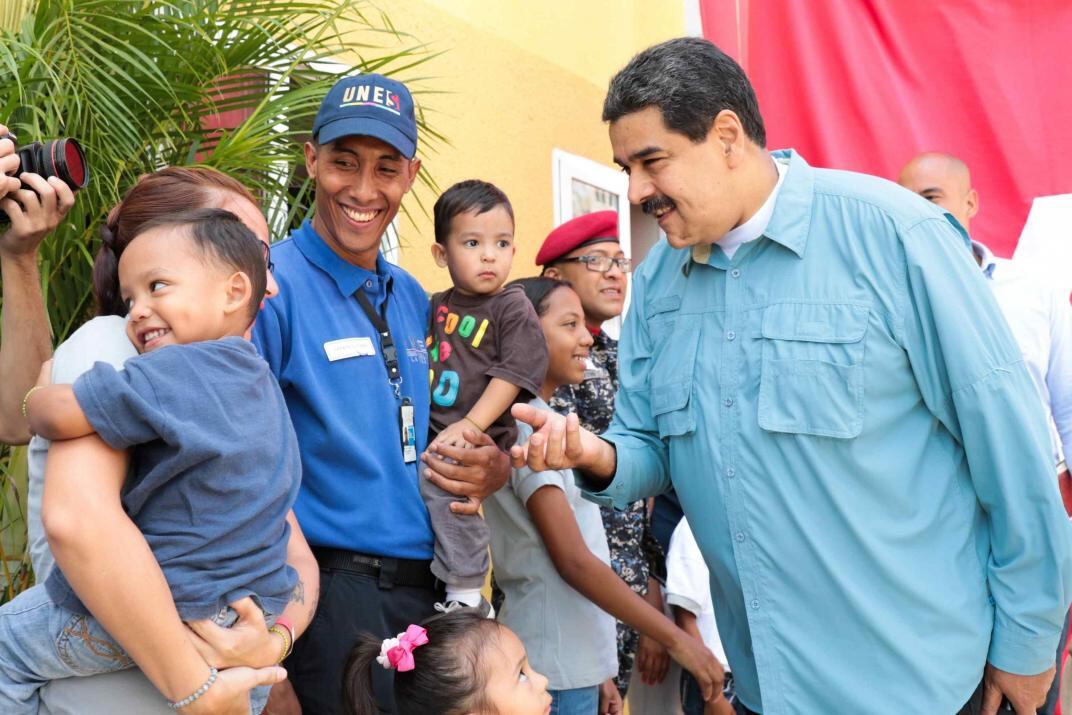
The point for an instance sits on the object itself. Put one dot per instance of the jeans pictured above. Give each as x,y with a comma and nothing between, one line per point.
40,641
579,701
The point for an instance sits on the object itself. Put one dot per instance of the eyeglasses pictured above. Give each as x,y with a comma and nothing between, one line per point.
600,264
267,250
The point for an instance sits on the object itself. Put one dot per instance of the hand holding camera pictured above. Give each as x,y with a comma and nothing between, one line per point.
9,164
45,176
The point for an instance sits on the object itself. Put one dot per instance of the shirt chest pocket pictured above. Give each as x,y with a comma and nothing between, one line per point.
811,373
675,341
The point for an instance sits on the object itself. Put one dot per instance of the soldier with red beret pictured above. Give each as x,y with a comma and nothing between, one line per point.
585,251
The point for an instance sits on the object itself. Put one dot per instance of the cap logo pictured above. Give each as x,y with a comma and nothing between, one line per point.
367,95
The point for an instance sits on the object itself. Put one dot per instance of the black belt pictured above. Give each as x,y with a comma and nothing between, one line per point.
416,573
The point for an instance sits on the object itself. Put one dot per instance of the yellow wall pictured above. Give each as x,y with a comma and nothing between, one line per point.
518,79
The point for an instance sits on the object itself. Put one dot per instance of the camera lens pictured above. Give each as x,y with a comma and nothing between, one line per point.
64,158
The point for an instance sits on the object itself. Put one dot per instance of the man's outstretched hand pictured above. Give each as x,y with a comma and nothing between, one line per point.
559,442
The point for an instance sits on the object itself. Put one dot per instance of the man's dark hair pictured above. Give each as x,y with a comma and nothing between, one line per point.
690,81
220,235
466,196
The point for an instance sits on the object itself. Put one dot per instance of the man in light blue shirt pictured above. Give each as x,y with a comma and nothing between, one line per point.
1038,315
862,458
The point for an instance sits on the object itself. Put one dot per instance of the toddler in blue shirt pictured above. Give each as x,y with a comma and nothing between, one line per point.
215,459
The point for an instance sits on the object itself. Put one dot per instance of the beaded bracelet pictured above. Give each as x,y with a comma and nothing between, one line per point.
26,399
197,693
282,620
288,642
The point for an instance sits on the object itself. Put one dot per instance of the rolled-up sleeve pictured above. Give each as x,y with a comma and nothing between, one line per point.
643,467
973,380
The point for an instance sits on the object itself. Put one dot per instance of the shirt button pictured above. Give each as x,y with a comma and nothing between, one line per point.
728,402
731,472
735,273
368,283
739,536
755,604
731,335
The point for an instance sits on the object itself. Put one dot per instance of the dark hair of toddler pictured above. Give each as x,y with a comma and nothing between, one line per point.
469,195
219,234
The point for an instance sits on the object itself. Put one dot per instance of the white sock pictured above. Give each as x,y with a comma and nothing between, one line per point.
469,596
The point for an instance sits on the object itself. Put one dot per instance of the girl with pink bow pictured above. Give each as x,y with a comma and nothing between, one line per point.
459,663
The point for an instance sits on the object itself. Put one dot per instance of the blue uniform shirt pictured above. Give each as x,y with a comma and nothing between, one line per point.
859,448
357,493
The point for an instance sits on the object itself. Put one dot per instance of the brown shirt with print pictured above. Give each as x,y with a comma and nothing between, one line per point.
474,338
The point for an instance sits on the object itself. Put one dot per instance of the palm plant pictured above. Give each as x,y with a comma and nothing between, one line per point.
147,83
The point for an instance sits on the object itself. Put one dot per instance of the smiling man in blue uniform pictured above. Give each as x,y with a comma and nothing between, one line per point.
867,470
345,338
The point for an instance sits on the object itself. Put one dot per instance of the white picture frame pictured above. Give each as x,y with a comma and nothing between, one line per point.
580,186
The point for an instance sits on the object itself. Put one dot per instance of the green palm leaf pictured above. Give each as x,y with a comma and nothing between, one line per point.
137,82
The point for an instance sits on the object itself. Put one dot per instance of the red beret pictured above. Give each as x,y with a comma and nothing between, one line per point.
581,231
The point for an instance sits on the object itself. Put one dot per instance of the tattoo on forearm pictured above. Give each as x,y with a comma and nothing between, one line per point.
298,596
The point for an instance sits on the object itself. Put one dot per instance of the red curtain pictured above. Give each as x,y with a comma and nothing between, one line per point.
867,84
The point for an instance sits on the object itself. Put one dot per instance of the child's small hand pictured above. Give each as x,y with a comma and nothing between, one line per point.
44,378
698,660
719,707
454,434
610,700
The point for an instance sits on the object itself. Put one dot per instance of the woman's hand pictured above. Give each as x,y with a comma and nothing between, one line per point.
248,642
698,660
229,695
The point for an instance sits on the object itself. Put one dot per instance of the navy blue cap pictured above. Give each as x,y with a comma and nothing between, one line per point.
368,105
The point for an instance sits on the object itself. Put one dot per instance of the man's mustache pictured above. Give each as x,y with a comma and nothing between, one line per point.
657,203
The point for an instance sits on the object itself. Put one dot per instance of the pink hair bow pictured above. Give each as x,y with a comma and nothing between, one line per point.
397,653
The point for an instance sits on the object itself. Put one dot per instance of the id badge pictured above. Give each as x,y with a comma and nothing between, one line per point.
409,433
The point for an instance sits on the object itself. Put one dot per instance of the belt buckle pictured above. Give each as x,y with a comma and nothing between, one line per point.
367,560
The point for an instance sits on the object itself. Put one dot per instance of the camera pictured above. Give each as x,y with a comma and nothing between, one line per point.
62,158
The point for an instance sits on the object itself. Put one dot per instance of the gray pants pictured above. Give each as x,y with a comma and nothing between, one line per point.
461,540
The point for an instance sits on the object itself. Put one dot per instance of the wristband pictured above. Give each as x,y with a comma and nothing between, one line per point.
473,423
197,693
285,622
288,644
26,399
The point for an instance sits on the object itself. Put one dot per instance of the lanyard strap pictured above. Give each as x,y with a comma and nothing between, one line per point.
387,343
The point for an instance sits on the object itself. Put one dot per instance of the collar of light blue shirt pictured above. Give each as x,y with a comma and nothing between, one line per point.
347,276
788,225
987,262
